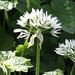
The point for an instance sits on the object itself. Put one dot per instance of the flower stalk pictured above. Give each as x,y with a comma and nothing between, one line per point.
7,20
72,69
28,5
38,58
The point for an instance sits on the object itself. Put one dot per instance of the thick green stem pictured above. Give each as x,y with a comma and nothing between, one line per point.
38,58
72,69
28,5
9,72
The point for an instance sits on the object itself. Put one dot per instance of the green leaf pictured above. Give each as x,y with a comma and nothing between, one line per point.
19,48
8,61
18,64
65,11
6,5
22,5
55,72
6,40
46,7
60,63
36,2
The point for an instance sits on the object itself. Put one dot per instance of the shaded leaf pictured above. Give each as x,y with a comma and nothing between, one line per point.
60,63
22,5
6,40
65,13
36,2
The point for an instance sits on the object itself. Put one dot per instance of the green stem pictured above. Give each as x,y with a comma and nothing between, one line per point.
24,49
9,72
72,69
38,58
14,73
26,43
28,5
7,20
19,73
22,53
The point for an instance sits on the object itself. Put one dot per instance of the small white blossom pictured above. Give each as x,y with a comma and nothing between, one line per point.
23,33
67,49
55,31
10,6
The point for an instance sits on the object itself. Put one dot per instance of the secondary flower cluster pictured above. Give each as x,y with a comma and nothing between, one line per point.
37,22
67,49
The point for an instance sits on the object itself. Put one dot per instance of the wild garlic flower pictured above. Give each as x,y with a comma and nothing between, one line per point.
23,33
67,49
54,72
38,21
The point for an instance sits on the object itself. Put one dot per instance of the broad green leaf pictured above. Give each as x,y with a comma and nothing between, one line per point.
65,11
48,57
36,2
7,5
8,61
46,7
60,63
22,5
55,72
18,64
6,40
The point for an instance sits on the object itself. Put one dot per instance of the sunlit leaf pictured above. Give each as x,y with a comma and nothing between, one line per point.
55,72
7,5
8,61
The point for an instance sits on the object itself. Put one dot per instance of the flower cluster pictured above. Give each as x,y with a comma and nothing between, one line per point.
54,72
67,49
37,21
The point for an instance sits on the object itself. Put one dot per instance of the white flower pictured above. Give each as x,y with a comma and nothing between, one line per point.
39,19
36,23
23,20
10,6
55,31
23,33
67,49
54,72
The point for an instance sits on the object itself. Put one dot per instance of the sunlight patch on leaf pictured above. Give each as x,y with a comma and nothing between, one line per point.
55,72
6,5
8,61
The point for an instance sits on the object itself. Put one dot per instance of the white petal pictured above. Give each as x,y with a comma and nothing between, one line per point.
17,30
40,37
32,40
